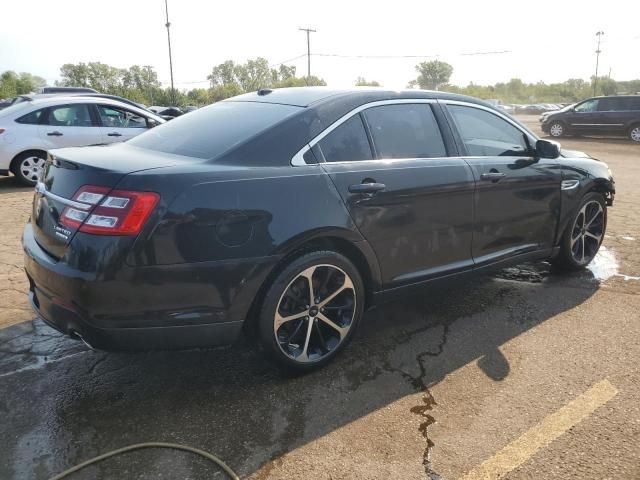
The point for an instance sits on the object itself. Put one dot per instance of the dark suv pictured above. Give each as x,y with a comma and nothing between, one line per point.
619,115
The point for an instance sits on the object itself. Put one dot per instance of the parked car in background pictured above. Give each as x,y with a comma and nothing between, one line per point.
289,212
615,115
168,113
189,108
59,90
30,128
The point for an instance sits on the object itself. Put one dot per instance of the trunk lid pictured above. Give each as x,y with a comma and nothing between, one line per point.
69,169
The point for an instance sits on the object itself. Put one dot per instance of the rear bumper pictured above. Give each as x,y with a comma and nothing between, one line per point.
166,307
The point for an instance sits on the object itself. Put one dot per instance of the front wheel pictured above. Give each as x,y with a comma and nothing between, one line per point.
634,133
28,167
311,311
582,238
557,129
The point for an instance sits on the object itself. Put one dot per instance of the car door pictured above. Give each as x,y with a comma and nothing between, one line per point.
410,200
517,199
69,125
585,117
119,124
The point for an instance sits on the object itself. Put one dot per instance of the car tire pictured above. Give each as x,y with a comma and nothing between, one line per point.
634,133
28,166
583,236
557,129
314,330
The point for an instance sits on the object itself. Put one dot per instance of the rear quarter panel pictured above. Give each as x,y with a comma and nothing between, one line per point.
215,213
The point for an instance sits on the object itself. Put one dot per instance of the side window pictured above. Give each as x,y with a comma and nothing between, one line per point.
611,104
76,115
348,142
588,106
405,131
115,117
32,118
487,135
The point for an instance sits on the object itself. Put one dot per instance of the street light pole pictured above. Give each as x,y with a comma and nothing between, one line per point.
308,30
173,92
598,51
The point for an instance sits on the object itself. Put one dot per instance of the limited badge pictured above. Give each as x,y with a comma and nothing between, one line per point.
63,233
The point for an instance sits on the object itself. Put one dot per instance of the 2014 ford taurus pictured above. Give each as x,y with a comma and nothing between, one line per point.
290,212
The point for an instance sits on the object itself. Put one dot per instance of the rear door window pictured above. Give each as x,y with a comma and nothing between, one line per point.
76,115
348,142
405,131
211,131
611,105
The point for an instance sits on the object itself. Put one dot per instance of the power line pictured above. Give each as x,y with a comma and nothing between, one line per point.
287,60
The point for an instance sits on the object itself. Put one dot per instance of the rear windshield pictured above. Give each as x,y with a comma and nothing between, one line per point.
211,131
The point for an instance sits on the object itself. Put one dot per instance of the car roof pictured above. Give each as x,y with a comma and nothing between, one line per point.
313,96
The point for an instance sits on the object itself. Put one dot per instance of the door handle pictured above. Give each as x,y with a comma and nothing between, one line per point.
114,134
54,134
370,188
493,176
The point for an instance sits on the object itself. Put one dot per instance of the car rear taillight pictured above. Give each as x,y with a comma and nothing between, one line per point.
102,211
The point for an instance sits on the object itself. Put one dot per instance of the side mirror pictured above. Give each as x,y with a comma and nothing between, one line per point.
547,149
151,123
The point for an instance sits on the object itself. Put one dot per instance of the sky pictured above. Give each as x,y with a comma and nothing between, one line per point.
543,41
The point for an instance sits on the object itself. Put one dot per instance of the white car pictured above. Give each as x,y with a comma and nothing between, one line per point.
30,128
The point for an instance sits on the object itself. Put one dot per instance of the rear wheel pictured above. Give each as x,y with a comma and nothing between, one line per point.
582,238
311,311
28,167
634,133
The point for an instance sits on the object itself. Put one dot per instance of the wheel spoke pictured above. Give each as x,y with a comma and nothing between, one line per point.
341,330
346,285
280,320
595,215
303,355
574,240
597,238
308,274
582,241
323,343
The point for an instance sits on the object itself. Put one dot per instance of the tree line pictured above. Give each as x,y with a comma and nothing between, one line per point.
141,84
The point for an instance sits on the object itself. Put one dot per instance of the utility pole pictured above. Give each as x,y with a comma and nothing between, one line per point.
598,51
173,92
308,30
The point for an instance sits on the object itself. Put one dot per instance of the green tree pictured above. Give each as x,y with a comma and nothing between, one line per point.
362,82
12,83
432,74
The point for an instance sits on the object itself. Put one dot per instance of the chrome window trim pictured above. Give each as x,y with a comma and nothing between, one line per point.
41,188
298,160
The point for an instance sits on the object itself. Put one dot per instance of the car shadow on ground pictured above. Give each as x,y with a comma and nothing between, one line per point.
63,403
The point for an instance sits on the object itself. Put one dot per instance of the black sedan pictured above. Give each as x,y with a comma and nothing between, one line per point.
288,213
